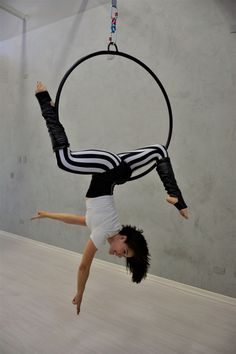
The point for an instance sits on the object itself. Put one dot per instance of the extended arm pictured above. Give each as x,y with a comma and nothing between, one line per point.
83,272
64,217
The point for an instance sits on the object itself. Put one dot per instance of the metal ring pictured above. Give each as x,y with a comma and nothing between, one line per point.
110,44
144,66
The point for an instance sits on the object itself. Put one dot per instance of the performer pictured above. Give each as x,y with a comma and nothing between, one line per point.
107,170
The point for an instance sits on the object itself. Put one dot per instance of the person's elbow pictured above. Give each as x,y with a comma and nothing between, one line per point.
83,221
80,220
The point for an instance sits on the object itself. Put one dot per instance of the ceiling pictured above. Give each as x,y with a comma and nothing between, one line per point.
43,12
39,13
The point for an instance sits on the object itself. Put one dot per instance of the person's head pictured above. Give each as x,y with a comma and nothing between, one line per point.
131,244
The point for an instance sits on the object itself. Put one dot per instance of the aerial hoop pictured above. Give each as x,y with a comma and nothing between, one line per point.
140,63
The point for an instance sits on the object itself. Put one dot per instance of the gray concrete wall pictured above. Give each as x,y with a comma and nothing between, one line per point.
112,104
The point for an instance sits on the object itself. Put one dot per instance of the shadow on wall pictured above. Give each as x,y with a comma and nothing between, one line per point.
228,9
71,34
23,69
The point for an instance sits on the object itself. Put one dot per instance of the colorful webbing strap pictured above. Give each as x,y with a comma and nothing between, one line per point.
114,16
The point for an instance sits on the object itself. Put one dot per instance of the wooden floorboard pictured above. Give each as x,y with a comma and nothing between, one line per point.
37,284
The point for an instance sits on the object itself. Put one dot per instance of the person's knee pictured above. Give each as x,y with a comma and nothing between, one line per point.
59,161
161,152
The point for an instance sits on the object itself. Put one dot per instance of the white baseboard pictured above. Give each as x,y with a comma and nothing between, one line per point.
161,281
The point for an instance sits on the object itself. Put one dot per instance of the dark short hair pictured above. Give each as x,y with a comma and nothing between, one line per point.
138,264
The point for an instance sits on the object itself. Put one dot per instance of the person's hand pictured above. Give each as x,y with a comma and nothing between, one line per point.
77,302
40,87
39,215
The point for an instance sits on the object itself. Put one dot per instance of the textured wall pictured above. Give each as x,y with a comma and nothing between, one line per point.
112,104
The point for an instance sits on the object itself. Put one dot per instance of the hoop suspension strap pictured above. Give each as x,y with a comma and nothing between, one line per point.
114,16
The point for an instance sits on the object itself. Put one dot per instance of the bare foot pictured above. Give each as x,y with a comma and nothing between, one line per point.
40,87
184,213
173,201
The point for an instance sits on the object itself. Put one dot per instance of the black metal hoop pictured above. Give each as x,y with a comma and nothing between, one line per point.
139,62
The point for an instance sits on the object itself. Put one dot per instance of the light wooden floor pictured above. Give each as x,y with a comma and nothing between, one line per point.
37,283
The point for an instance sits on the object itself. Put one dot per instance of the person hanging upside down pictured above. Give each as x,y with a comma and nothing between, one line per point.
107,170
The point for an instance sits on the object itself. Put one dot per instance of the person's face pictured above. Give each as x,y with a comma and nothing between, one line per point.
119,248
